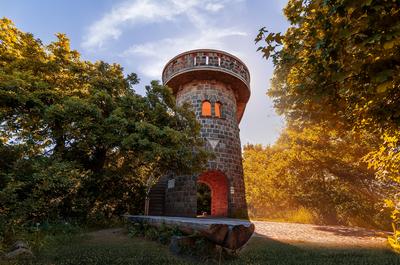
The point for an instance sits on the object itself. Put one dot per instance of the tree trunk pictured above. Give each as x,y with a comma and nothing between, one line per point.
146,205
228,233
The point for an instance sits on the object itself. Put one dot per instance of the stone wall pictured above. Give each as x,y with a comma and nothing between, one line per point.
223,133
211,58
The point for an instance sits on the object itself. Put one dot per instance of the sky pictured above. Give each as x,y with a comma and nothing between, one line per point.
142,35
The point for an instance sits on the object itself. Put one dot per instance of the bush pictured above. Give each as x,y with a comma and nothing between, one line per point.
161,234
46,192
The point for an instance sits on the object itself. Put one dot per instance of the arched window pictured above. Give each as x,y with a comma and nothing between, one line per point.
206,108
218,109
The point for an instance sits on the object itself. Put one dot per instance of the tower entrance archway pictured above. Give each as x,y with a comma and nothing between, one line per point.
218,184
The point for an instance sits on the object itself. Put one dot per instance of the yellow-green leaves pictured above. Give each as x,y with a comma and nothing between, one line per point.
339,65
343,51
381,88
390,44
307,166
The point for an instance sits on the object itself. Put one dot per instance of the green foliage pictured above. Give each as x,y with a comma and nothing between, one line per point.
151,233
136,230
201,247
203,199
316,169
76,140
338,65
161,234
338,58
394,240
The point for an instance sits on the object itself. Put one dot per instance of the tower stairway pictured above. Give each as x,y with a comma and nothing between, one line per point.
157,197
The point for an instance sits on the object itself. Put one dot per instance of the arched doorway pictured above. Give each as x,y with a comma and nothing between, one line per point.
218,184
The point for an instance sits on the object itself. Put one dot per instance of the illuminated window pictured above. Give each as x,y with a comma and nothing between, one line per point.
206,108
218,109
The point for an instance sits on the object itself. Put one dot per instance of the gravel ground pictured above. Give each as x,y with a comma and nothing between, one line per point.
321,235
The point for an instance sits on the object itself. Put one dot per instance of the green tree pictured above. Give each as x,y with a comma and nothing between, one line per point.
339,57
318,169
339,62
76,140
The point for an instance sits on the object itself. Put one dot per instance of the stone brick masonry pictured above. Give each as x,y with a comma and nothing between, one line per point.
224,174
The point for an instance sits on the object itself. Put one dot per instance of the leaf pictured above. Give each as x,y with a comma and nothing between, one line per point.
383,76
383,87
389,44
367,2
339,77
350,10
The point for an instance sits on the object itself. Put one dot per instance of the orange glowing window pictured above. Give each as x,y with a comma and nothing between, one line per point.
218,107
206,108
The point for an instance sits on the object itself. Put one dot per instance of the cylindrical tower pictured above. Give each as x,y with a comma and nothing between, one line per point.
217,85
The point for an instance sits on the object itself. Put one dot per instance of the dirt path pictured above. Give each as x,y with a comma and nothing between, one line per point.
320,235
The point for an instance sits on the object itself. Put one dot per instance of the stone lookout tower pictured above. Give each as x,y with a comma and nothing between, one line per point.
217,85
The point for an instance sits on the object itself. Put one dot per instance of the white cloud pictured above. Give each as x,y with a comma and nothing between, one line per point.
131,13
156,54
214,7
205,31
195,24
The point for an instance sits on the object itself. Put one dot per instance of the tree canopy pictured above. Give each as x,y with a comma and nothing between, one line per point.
318,170
77,141
338,58
337,77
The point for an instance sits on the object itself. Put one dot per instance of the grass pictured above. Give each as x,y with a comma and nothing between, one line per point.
101,249
113,248
300,215
268,251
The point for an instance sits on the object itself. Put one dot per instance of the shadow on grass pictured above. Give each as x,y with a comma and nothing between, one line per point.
351,231
264,250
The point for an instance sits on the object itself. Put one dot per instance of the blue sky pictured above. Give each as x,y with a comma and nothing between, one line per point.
142,35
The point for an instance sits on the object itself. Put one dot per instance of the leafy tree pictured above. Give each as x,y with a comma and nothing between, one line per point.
76,140
339,63
339,57
317,169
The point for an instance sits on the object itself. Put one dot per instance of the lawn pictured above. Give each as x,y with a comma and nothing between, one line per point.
116,247
267,251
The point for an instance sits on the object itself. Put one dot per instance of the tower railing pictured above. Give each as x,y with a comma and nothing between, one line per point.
202,59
